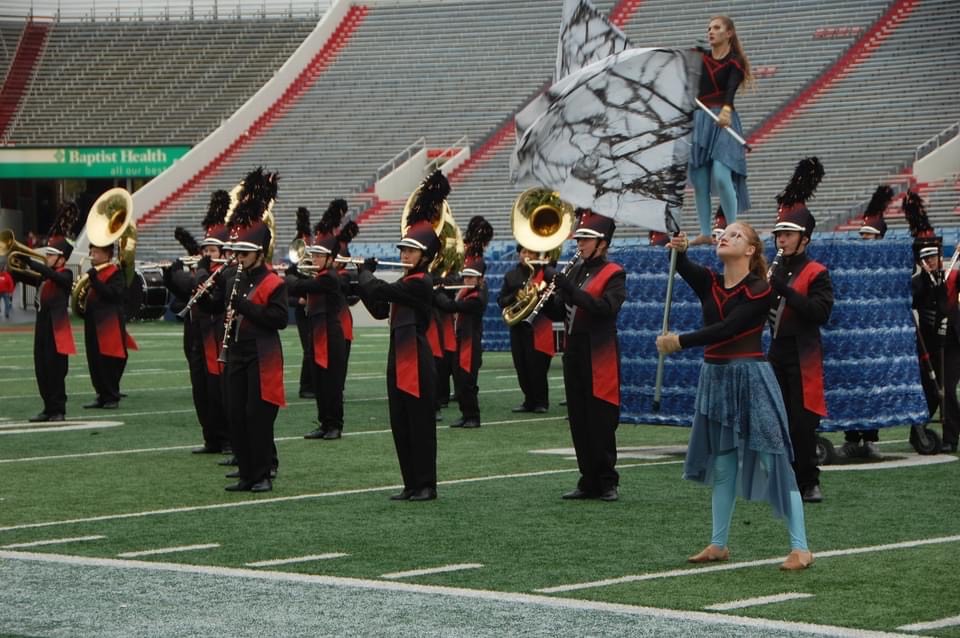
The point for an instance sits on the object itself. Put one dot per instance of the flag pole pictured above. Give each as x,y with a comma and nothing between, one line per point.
661,359
729,130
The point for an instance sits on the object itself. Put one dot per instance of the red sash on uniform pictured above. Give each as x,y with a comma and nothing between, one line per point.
543,327
320,351
62,334
211,351
433,337
810,350
449,332
346,320
603,354
465,346
405,351
268,351
110,338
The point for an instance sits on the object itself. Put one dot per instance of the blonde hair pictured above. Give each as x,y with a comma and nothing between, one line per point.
758,261
736,47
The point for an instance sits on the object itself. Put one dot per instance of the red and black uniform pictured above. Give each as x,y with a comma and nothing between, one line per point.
306,341
52,337
254,370
348,284
469,306
443,344
801,303
589,300
104,333
720,79
733,319
325,303
411,378
531,346
202,336
939,320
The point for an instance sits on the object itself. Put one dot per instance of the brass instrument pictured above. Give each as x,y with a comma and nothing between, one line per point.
296,250
360,260
450,256
110,220
540,222
18,258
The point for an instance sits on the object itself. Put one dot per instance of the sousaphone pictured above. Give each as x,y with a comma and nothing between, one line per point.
110,221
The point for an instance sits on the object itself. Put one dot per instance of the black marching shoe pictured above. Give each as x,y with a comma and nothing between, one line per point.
266,485
316,434
521,408
110,405
423,494
812,494
93,405
273,472
205,450
611,494
231,461
239,486
576,495
540,409
402,496
946,448
233,474
43,417
332,435
471,423
307,394
56,417
459,423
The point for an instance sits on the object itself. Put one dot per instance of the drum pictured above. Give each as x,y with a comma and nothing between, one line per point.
146,296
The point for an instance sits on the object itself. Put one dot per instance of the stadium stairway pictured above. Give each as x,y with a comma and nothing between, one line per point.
29,50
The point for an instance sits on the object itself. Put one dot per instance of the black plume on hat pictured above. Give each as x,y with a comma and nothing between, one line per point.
66,220
348,232
479,234
806,178
217,209
186,240
916,213
332,217
303,222
879,202
257,191
428,205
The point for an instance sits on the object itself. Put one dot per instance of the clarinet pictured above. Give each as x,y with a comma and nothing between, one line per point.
229,317
773,264
201,290
549,290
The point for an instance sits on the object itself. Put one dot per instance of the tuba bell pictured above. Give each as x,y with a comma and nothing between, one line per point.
540,222
450,256
18,258
110,220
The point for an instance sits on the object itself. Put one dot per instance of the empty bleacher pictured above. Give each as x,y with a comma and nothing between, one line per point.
10,31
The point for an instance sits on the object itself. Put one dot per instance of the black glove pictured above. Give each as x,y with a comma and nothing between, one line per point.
778,281
176,266
370,264
41,267
563,283
292,271
92,273
244,306
548,272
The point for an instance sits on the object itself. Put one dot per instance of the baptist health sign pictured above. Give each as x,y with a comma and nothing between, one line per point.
79,162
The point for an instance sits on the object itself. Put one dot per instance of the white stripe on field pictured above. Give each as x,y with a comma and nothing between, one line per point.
66,428
759,600
432,570
708,619
304,497
52,541
295,559
952,621
752,563
168,550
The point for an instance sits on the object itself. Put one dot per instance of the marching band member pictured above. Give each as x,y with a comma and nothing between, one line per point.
469,306
531,346
589,299
299,312
717,161
348,284
411,377
52,337
935,304
801,303
255,299
324,306
740,435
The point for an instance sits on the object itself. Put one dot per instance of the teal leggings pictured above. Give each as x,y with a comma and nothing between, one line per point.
719,178
725,496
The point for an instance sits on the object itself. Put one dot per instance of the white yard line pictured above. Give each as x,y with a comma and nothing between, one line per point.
431,570
168,550
301,497
64,428
694,571
295,559
53,541
708,619
909,460
952,621
759,600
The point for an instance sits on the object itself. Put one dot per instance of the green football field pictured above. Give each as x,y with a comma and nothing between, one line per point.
109,526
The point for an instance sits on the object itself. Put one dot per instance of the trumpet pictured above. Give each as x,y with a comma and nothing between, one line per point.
360,260
549,290
456,287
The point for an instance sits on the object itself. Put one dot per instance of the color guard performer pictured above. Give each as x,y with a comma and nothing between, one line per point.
740,439
325,302
52,338
589,298
801,303
469,305
411,377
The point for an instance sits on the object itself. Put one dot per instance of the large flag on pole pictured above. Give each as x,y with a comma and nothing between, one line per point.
613,135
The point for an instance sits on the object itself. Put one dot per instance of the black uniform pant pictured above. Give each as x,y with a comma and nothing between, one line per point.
593,422
946,367
445,366
306,343
105,372
465,382
328,385
207,398
803,423
413,423
531,365
51,370
251,418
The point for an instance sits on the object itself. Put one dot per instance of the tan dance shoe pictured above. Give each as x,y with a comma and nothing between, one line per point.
710,554
796,560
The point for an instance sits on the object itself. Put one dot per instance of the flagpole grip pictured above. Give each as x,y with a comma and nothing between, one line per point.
729,130
661,359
